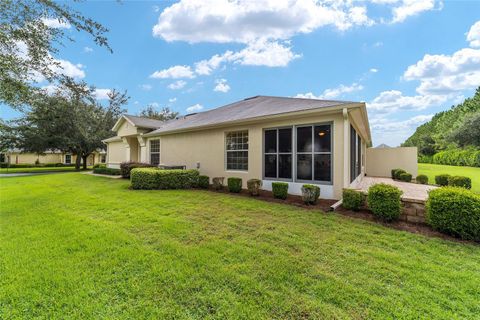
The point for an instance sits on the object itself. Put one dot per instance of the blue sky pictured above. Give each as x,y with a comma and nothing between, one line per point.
406,59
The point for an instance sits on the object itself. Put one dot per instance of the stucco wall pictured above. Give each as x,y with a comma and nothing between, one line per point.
380,161
208,148
30,158
116,153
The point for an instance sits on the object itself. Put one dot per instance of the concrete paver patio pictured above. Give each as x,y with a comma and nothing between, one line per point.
412,191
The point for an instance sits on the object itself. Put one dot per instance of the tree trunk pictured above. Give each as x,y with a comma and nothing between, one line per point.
77,162
84,158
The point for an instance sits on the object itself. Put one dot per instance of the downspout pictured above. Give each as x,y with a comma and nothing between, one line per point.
346,156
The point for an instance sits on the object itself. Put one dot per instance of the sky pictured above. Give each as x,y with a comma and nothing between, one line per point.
406,59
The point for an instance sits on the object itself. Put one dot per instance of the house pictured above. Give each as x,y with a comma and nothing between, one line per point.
17,156
383,145
294,140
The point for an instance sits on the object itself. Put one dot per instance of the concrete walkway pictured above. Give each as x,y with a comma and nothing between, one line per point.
411,191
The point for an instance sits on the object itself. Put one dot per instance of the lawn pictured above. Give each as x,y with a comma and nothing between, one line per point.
432,170
37,169
86,247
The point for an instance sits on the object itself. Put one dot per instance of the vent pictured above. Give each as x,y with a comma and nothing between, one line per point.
250,98
190,114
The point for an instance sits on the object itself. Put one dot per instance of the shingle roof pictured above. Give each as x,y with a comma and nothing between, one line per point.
246,109
144,122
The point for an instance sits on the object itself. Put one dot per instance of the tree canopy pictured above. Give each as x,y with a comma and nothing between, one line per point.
163,115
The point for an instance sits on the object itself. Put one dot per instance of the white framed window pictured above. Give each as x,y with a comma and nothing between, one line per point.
68,158
155,152
236,150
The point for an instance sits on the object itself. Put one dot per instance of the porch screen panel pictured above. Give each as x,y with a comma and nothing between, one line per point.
278,153
355,154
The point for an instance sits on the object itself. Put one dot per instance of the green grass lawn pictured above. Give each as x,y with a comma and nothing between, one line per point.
86,247
432,170
37,169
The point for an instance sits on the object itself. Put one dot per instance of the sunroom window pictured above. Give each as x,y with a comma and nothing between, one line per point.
278,153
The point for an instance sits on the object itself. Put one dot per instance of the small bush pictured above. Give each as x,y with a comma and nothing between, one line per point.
99,165
280,190
217,183
310,193
234,184
203,182
425,159
455,211
107,171
422,179
406,177
127,166
353,199
153,178
442,179
459,181
396,173
384,201
254,186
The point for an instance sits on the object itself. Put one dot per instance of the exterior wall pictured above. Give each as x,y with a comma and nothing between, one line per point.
30,158
116,153
207,147
380,161
126,129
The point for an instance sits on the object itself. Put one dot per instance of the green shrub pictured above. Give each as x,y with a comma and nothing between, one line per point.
203,182
254,186
455,211
280,190
99,165
425,159
310,193
459,181
107,171
234,184
153,178
217,183
396,173
422,179
384,201
353,199
406,177
442,179
127,166
458,157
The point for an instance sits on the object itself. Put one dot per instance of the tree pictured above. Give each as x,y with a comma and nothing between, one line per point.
162,115
468,134
28,42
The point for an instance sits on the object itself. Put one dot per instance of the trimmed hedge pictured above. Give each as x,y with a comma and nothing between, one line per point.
310,193
442,179
458,157
127,166
152,178
31,165
203,182
353,199
217,183
459,181
425,159
406,177
384,201
107,171
422,179
253,186
455,211
234,184
280,190
396,173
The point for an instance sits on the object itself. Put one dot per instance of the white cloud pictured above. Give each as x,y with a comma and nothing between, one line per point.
394,132
205,67
56,24
373,70
332,93
195,108
177,85
171,100
393,100
145,87
101,94
87,49
156,8
411,8
154,104
50,89
174,72
69,69
264,53
221,86
473,35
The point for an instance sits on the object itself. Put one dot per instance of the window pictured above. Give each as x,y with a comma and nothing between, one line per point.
68,158
355,154
278,153
103,158
155,152
314,153
237,150
2,157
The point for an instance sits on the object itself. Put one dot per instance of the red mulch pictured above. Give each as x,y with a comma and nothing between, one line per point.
324,205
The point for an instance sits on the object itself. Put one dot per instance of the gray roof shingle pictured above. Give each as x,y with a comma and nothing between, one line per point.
249,108
144,122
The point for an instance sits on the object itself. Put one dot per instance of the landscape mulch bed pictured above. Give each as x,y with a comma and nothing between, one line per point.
324,205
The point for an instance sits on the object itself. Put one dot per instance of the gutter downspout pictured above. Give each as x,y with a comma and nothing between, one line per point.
346,156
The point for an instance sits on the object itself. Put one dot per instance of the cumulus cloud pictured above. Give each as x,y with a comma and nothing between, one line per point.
373,70
332,93
101,94
145,87
394,100
195,108
174,72
394,132
473,36
177,85
56,24
87,49
409,8
172,100
221,86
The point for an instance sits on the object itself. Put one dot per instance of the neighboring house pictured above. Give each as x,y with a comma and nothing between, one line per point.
383,145
294,140
16,156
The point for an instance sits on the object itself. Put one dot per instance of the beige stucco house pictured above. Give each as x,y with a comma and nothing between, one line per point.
270,138
16,156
